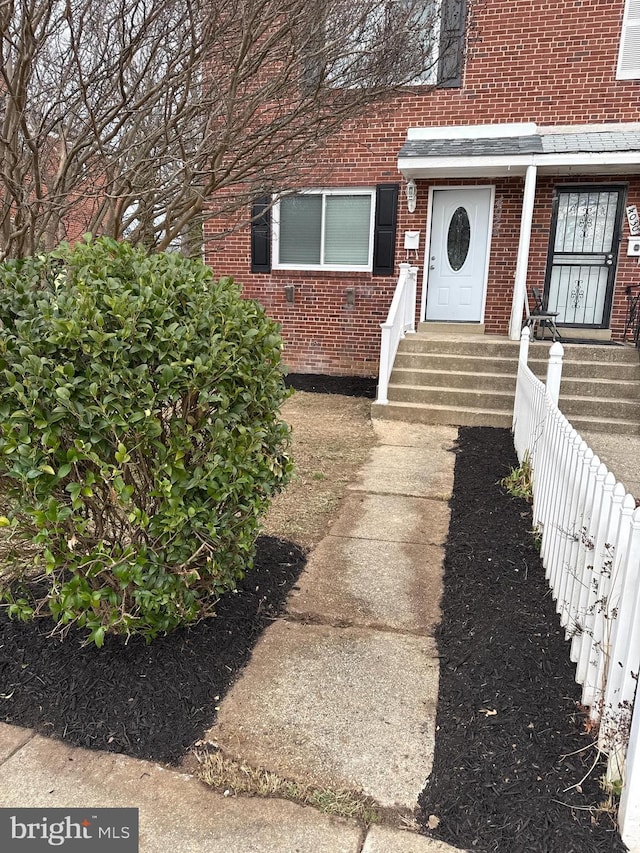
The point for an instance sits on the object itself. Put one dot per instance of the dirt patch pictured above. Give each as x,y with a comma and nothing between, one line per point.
512,768
332,436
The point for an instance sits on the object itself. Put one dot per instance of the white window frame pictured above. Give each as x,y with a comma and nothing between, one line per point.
350,191
630,22
428,78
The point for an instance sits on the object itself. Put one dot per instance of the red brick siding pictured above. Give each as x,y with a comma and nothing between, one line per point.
547,61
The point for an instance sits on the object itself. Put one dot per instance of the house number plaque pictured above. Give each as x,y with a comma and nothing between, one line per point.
633,218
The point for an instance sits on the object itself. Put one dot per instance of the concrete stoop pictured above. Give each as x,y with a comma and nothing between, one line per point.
449,376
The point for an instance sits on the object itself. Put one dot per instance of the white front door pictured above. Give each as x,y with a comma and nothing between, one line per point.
456,262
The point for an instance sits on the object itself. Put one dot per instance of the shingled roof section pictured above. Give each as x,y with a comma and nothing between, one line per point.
509,145
561,143
549,143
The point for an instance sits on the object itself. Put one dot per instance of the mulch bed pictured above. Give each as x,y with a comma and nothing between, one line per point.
350,386
511,733
499,780
150,701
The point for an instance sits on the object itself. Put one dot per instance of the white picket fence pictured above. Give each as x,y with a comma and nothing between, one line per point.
590,549
400,320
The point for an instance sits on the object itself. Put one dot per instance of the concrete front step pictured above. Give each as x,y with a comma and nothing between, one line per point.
454,377
506,348
604,389
502,401
458,329
427,414
468,345
599,389
459,379
627,371
457,397
621,371
420,413
585,407
454,363
615,426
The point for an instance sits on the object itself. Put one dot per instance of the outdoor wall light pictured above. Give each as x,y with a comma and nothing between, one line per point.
412,195
290,293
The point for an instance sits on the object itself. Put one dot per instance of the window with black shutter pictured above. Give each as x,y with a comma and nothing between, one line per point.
451,51
384,235
261,235
629,55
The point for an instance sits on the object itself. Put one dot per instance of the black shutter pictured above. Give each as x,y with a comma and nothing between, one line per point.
384,234
454,13
261,235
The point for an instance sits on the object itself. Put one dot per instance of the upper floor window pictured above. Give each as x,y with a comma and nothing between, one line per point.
390,42
629,56
395,41
328,229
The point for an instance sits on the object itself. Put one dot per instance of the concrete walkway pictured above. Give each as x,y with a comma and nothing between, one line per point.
343,692
621,455
340,692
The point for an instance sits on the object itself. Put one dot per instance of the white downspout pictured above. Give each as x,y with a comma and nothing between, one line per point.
520,283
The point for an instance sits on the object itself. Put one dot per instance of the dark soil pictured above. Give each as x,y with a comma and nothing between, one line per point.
350,386
150,701
499,779
511,734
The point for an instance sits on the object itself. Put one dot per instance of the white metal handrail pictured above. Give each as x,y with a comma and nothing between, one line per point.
399,322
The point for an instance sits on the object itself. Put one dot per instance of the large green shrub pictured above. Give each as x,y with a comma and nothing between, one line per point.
140,437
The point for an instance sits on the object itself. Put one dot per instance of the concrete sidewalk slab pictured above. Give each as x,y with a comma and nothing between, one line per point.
177,812
384,839
393,518
423,472
621,455
415,435
347,708
11,739
371,583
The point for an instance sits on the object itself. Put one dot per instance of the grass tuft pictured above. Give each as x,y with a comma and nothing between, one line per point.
232,777
519,481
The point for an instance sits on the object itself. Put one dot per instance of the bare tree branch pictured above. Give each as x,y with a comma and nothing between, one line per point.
139,118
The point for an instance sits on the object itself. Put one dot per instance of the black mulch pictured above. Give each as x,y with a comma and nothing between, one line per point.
500,780
350,386
150,701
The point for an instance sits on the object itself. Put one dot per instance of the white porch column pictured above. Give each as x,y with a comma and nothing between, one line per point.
520,283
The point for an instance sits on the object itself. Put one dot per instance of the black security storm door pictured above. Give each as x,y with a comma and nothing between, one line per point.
581,268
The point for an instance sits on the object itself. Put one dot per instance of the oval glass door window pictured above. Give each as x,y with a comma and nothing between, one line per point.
458,238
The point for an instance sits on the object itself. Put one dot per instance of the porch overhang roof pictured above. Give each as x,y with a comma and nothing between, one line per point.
509,149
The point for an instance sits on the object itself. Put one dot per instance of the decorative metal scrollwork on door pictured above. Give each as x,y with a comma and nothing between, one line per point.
581,269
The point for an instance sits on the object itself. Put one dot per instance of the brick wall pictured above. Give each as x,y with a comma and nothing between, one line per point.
527,60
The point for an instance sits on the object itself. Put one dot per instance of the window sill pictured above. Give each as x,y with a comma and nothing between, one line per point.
321,268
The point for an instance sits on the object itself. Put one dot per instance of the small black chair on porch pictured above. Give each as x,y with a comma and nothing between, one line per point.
539,317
